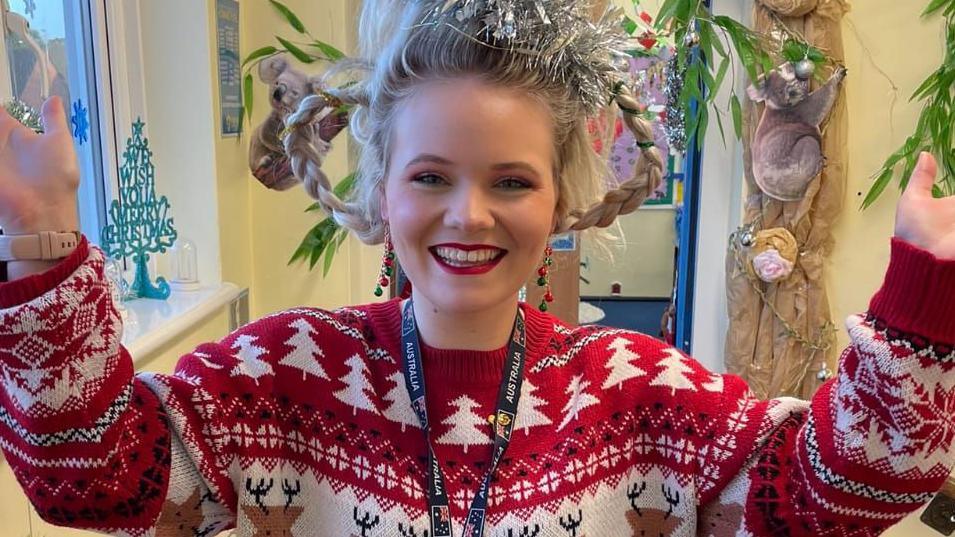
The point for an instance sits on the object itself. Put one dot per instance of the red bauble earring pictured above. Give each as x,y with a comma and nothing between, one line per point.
543,279
387,266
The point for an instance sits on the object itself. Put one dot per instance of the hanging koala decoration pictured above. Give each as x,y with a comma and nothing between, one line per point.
287,88
787,147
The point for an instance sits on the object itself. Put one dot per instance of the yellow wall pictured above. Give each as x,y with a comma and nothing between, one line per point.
892,38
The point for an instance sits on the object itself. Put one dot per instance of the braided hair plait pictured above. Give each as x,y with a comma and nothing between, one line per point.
307,151
647,174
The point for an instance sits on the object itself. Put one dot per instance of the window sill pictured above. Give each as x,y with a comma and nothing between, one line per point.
150,324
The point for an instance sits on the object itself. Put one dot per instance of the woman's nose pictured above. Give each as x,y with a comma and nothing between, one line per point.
469,210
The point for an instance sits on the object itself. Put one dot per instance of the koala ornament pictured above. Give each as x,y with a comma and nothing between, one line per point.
287,87
787,147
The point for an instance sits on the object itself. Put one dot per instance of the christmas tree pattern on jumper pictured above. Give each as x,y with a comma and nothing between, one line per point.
529,413
467,427
674,372
250,365
620,365
579,400
399,410
357,386
140,222
305,352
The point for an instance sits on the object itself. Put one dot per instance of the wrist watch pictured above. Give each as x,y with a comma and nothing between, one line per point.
42,246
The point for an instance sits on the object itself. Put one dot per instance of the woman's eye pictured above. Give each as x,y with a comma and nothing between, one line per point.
429,179
513,183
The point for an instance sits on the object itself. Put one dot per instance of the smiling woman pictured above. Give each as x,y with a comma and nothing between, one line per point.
470,179
460,408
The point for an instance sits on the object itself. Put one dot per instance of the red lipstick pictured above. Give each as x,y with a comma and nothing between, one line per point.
470,269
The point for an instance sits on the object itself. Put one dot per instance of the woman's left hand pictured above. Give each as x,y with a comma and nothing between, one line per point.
922,220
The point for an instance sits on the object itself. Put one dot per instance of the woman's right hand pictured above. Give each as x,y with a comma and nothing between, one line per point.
39,174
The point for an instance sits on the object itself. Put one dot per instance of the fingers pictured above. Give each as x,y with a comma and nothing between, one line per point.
53,115
923,176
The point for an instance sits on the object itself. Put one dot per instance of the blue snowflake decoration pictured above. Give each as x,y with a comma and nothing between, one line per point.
81,122
29,7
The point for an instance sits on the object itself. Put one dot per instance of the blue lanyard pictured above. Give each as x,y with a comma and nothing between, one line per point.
507,398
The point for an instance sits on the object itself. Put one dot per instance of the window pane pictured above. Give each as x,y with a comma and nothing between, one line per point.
36,51
48,49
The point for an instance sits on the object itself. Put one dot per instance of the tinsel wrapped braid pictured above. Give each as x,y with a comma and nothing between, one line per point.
556,37
307,151
647,174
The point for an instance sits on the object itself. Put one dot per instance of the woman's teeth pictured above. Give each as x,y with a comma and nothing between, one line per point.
458,258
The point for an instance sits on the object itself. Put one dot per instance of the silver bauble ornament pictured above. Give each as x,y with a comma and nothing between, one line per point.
824,373
804,69
747,239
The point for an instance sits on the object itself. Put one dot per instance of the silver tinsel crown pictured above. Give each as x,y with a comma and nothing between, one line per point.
557,37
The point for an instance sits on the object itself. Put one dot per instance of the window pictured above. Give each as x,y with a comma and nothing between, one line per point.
51,47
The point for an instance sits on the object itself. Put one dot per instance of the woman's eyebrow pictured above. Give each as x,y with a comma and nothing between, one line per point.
519,165
427,157
435,159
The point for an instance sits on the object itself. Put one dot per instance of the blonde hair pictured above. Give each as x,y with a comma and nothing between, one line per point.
396,54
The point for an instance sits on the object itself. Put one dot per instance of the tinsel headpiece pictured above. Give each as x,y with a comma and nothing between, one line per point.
557,37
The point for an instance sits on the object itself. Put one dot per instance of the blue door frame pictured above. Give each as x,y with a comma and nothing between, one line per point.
688,226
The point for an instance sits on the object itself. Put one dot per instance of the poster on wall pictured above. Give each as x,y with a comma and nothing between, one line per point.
565,242
646,80
230,72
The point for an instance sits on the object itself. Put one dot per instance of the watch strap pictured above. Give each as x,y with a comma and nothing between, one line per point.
42,246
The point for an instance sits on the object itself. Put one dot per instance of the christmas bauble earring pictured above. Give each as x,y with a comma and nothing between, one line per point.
387,265
543,279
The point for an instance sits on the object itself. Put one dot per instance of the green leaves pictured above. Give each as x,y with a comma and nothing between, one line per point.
294,50
737,110
794,51
327,236
247,96
259,53
936,5
292,19
331,53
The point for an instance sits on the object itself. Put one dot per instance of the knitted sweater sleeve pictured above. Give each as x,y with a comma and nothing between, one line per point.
872,445
92,444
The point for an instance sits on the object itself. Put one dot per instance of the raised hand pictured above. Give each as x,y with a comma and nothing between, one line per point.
39,174
922,220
